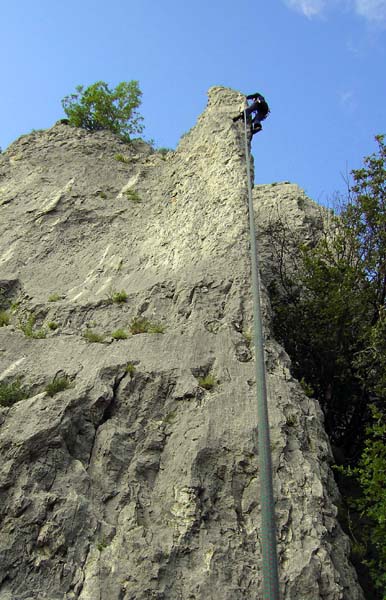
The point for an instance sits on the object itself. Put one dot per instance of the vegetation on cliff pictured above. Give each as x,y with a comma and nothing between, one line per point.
99,107
331,317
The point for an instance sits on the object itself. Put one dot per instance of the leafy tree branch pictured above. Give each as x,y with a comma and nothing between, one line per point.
98,107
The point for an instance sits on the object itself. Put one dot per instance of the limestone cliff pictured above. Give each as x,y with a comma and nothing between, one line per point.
138,482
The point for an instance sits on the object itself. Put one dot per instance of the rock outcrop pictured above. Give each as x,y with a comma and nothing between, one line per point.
139,479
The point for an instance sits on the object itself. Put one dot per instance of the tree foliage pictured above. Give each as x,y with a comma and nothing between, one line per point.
330,314
98,107
370,473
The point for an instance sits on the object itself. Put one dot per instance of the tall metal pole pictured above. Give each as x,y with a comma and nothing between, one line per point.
268,526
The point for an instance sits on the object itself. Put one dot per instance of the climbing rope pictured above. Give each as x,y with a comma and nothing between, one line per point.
268,527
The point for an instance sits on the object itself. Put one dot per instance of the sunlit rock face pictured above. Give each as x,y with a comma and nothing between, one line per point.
139,479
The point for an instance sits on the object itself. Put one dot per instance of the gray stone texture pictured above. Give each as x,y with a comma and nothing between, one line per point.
144,485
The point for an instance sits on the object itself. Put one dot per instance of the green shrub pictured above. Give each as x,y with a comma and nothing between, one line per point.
11,392
39,334
92,337
130,368
139,325
15,306
102,544
53,298
247,335
171,417
370,474
208,382
119,334
143,325
163,151
57,385
4,318
118,297
329,305
133,196
307,388
27,327
52,325
122,158
99,107
291,420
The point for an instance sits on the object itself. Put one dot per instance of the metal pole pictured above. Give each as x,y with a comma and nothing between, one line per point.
268,526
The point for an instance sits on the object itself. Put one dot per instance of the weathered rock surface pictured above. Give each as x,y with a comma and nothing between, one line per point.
139,483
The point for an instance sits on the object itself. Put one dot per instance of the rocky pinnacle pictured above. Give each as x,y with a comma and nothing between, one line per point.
128,465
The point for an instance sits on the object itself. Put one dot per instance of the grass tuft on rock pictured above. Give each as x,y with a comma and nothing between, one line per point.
118,297
143,325
57,385
92,337
208,382
130,368
133,196
11,392
53,298
122,158
4,318
27,327
119,334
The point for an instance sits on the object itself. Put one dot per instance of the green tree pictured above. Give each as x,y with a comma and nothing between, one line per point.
99,107
364,219
330,313
368,519
320,319
337,297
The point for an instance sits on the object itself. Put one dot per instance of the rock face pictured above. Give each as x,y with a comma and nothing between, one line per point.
137,481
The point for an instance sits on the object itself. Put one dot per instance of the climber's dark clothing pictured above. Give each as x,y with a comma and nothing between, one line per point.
259,104
260,107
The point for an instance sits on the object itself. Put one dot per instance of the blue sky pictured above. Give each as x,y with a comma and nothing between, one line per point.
320,63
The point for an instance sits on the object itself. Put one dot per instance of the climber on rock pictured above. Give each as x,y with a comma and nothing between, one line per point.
259,109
